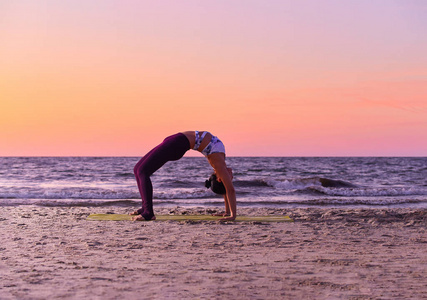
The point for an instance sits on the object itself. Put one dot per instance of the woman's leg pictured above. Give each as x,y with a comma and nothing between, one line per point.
139,171
172,148
146,191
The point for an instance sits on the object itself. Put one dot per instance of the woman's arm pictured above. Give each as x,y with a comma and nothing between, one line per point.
227,206
226,202
224,175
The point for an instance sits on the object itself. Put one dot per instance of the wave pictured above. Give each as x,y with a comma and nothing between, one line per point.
332,187
335,202
103,194
251,183
371,191
295,183
173,189
106,203
301,183
69,193
68,202
263,191
218,202
125,174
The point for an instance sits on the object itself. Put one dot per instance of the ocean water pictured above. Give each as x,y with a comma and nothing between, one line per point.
279,182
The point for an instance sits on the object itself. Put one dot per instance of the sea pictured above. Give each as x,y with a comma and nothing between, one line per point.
272,182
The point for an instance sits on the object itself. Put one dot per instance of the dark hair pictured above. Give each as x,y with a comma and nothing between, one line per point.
216,186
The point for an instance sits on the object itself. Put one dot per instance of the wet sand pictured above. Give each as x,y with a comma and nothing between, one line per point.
55,253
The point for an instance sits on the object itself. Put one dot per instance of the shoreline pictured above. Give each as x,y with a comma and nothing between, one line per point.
366,253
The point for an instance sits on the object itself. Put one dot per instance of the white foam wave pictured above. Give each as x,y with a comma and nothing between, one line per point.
294,184
103,194
342,188
371,192
277,202
69,194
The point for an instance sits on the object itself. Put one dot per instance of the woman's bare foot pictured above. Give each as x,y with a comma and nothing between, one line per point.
221,215
134,213
141,218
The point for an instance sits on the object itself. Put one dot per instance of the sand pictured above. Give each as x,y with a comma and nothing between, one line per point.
55,253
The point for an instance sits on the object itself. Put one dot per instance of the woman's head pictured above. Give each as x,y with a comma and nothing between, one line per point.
216,186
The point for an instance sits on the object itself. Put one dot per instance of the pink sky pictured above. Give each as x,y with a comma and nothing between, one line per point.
282,78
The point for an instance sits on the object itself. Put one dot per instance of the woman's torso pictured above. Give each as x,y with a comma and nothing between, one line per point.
191,136
204,142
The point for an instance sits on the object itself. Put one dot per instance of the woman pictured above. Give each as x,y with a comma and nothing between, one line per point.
173,148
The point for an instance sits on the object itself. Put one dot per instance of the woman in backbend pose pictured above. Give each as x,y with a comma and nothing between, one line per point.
173,148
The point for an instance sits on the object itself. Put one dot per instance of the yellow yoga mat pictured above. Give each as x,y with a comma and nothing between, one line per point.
119,217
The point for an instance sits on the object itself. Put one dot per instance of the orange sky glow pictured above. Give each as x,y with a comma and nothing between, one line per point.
269,78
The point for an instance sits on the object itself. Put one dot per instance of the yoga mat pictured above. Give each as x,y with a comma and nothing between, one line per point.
119,217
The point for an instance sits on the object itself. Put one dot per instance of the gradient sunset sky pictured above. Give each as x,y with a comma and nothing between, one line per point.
268,77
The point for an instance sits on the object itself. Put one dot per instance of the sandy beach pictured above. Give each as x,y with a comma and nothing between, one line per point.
329,253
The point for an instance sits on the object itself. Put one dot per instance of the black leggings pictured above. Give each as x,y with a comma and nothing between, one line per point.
172,148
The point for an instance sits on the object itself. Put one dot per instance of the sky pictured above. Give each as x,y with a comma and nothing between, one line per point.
268,77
